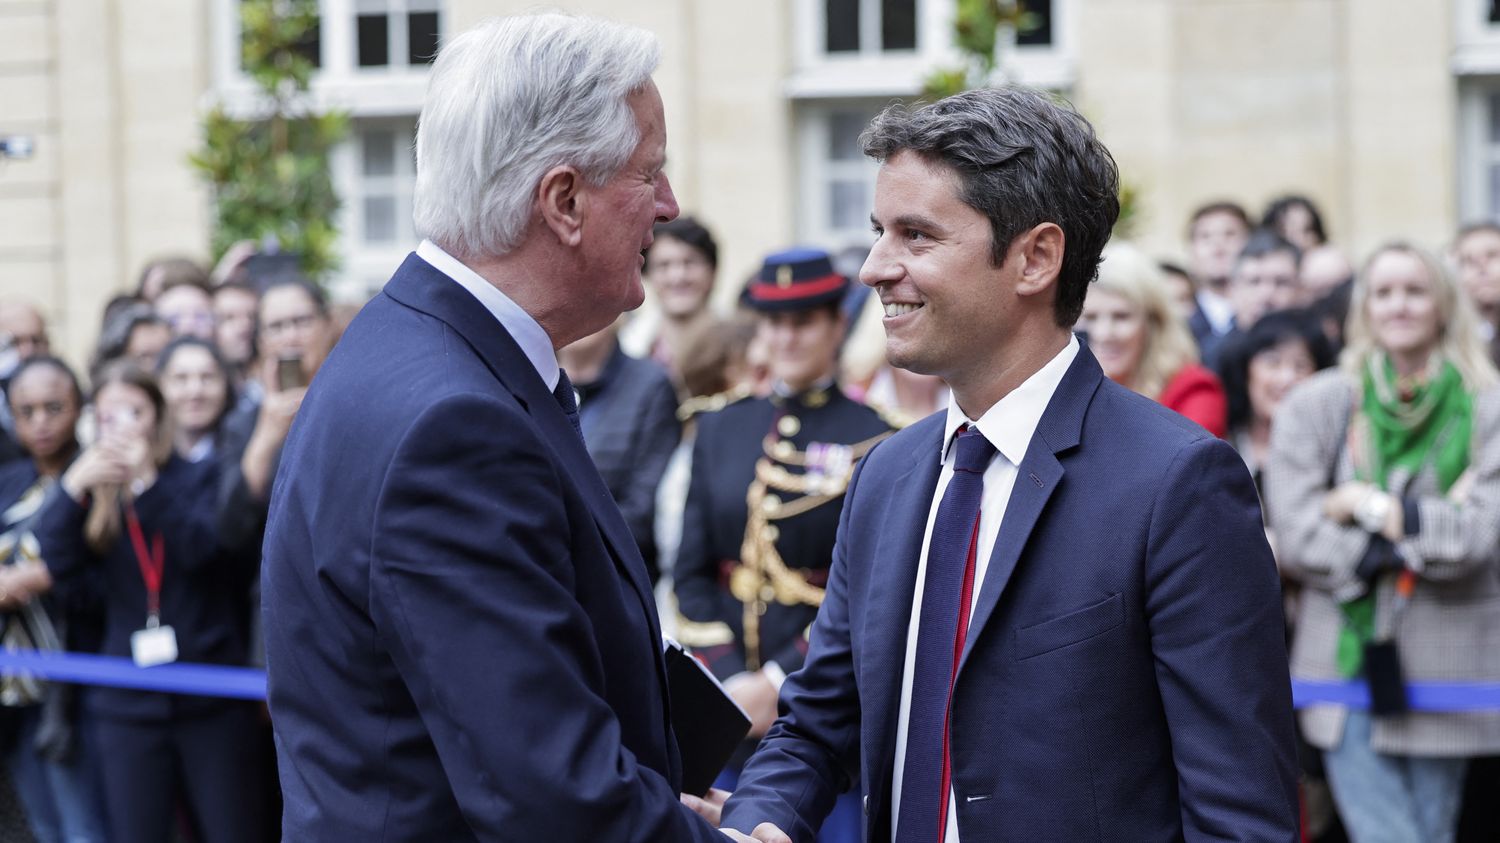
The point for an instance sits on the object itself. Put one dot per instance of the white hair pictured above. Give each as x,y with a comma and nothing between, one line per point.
509,100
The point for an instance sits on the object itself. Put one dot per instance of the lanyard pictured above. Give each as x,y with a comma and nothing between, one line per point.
152,564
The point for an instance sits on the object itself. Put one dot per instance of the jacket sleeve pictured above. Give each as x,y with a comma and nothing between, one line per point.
1305,444
1458,537
709,619
1214,613
59,531
472,590
811,754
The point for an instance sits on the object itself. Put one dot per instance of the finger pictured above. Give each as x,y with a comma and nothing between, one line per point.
769,833
736,836
717,796
702,808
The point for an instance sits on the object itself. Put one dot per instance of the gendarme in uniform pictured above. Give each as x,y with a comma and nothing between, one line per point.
768,481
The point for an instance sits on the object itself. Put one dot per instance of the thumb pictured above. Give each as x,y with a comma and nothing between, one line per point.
769,833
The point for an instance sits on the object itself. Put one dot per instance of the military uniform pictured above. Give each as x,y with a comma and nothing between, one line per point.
762,510
768,483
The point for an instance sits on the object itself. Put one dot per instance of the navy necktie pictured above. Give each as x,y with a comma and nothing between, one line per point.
567,400
946,594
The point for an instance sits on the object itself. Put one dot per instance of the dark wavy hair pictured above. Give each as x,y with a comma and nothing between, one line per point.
688,231
1022,159
1276,212
1269,331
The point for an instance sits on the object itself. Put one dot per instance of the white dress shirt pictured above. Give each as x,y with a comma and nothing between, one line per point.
1008,425
517,322
1219,311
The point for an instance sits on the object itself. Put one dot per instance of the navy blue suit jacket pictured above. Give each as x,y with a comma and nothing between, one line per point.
460,637
1124,676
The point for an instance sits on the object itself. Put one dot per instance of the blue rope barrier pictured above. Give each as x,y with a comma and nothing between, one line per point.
250,684
1422,696
209,680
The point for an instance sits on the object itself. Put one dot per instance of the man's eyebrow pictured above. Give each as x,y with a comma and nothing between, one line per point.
916,221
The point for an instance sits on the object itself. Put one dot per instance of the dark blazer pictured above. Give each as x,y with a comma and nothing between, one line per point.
460,637
629,417
1124,676
202,592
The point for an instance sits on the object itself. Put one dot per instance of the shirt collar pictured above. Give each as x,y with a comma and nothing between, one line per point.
1219,310
1010,423
529,335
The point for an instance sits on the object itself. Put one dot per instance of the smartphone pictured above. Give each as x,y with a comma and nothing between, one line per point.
289,373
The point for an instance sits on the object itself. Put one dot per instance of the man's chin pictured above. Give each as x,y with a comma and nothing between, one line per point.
636,297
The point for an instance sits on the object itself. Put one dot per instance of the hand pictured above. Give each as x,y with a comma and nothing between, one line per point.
22,582
1339,504
279,406
764,833
100,464
709,807
138,459
1459,491
757,696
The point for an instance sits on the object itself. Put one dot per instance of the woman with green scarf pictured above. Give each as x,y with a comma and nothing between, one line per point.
1384,483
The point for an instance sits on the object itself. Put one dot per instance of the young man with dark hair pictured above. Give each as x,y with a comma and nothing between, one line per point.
1035,596
1217,233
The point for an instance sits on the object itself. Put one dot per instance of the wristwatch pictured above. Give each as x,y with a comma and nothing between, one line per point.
1373,511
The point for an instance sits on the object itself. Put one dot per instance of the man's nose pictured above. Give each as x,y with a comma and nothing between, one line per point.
666,201
878,266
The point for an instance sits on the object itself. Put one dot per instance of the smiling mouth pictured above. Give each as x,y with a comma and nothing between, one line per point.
894,309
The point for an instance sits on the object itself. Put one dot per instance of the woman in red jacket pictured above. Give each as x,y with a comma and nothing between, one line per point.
1142,343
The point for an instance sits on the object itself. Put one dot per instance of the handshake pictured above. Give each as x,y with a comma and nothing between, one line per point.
709,808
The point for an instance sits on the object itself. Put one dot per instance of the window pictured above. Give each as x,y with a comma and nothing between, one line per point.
373,58
370,54
374,172
1479,149
852,26
395,33
1040,34
838,188
1477,37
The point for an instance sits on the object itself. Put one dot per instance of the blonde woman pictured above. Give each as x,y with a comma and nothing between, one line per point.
1142,343
1384,484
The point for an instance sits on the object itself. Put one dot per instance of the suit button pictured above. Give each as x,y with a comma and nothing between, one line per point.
867,804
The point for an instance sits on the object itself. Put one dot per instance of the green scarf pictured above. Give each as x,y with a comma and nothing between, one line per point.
1403,426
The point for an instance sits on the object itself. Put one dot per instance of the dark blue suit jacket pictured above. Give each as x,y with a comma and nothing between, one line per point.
1124,677
460,637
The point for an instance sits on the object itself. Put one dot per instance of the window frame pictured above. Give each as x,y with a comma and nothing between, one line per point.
872,72
366,266
391,90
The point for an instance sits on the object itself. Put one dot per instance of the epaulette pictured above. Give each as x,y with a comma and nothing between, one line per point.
711,403
892,416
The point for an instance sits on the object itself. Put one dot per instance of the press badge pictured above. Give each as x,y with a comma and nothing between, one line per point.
153,645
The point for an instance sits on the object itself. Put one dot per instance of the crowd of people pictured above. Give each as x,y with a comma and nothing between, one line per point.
1365,404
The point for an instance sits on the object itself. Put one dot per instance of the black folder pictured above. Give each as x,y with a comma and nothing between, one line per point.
708,722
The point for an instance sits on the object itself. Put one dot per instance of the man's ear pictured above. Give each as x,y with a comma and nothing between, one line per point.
560,196
1040,252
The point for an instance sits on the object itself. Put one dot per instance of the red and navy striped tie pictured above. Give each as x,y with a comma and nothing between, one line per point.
947,593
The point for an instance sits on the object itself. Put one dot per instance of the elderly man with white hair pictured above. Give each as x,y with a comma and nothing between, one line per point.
461,640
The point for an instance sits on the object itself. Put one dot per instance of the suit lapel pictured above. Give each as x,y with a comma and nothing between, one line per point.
418,285
891,590
1037,478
